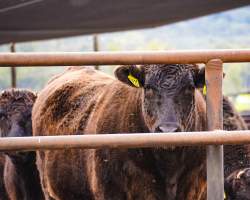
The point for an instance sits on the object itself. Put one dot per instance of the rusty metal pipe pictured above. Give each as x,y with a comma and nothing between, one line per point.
215,169
116,58
96,47
13,69
124,140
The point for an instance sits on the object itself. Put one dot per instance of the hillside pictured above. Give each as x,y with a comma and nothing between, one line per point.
229,29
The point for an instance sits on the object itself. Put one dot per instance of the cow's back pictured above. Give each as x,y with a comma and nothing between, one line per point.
67,100
63,107
80,101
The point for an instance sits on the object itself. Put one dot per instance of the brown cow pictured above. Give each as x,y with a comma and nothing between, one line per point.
21,177
85,101
237,157
3,193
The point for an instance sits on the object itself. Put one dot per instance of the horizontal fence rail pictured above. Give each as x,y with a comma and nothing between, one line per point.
213,59
124,140
116,58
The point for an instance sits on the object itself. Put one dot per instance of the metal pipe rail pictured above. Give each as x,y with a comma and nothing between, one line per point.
215,165
116,58
137,140
213,59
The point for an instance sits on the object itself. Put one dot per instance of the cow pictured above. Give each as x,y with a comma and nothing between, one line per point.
147,98
3,193
236,158
21,177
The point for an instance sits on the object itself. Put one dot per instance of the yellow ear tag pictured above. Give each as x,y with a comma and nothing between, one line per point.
204,90
225,197
134,80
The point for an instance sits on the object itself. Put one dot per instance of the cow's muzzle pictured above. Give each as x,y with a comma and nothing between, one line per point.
169,127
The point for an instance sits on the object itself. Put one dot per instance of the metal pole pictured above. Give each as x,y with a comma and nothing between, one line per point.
137,140
215,168
13,69
96,47
116,58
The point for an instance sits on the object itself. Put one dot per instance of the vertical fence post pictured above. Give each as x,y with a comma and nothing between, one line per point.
96,47
215,168
13,69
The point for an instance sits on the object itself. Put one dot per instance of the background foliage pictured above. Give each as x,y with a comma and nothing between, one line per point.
228,30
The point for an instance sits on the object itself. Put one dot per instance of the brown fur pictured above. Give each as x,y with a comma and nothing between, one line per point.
21,176
3,193
236,157
84,101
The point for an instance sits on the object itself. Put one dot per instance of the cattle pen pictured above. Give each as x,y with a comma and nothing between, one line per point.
214,137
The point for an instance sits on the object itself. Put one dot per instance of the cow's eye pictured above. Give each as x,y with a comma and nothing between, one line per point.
188,90
2,116
147,87
149,91
151,87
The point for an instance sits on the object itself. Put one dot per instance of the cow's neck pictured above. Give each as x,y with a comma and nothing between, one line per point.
136,115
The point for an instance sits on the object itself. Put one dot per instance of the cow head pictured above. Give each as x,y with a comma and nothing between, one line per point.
168,97
237,185
15,113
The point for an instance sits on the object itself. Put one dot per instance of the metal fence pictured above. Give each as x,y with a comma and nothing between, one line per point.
213,59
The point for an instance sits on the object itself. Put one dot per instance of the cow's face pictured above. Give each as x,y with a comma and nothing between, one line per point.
168,93
237,185
15,113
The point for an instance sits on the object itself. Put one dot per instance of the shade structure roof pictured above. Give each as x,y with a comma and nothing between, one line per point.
26,20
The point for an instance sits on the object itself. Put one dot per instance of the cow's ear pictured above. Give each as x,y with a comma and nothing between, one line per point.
131,75
199,77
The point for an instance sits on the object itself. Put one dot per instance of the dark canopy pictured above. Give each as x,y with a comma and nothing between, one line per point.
25,20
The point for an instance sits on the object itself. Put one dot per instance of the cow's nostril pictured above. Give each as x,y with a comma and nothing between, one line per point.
178,129
158,130
168,128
